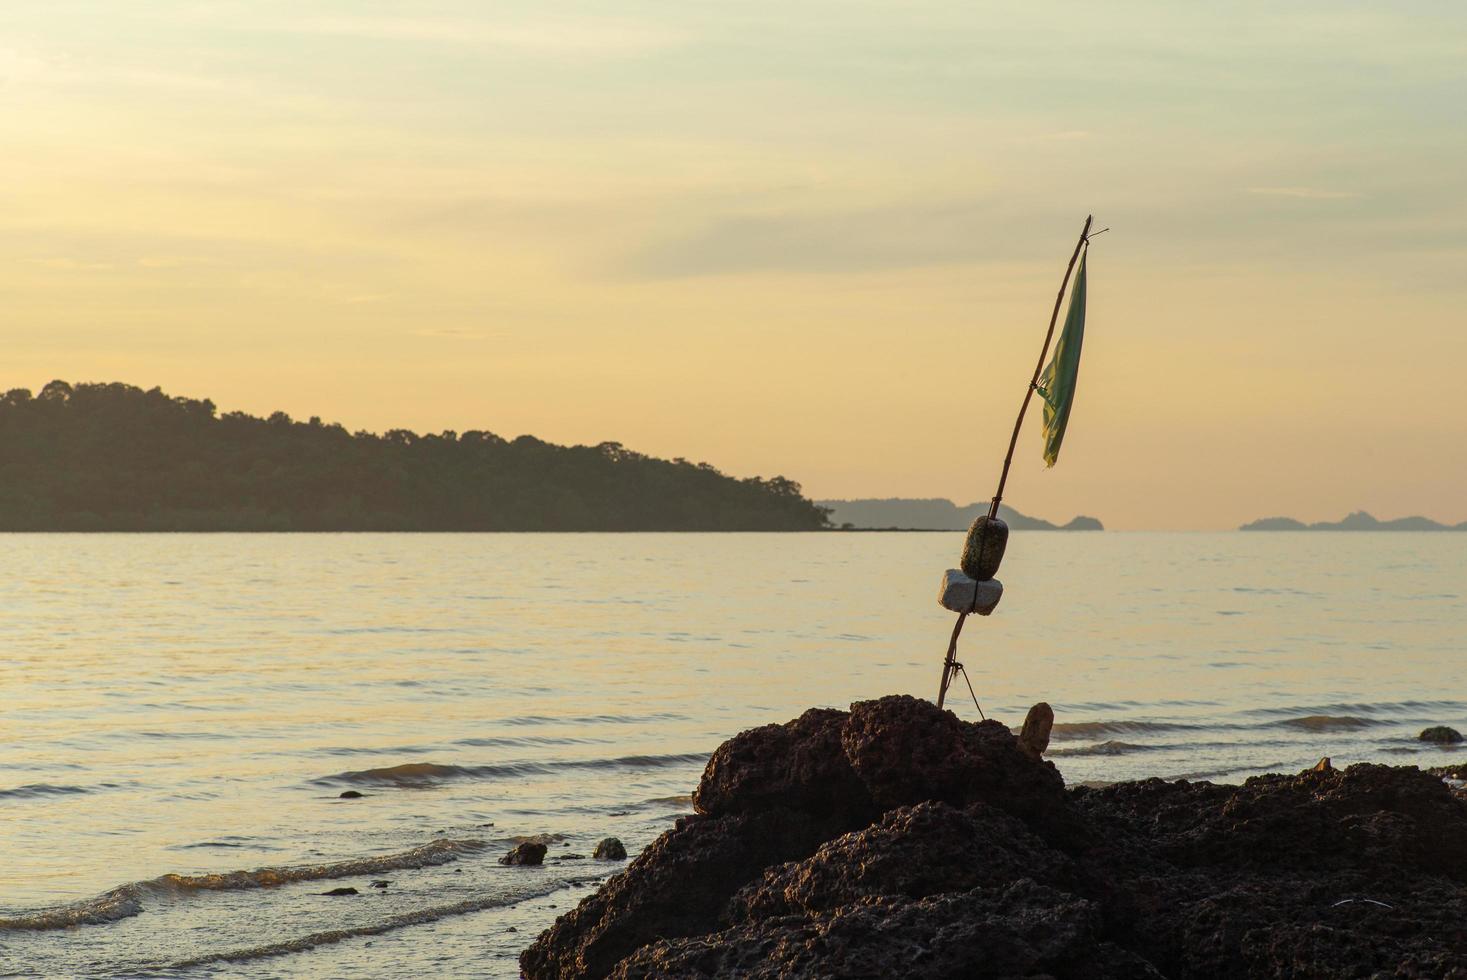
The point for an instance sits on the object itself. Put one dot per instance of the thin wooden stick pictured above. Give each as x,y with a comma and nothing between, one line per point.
952,645
947,664
1039,368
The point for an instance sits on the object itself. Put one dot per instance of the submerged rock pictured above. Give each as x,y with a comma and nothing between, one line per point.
336,892
610,849
897,840
1440,734
530,852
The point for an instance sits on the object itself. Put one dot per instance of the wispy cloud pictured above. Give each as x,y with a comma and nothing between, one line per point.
457,333
540,36
1306,193
861,239
73,265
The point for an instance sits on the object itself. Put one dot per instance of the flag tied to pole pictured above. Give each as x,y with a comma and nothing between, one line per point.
1057,383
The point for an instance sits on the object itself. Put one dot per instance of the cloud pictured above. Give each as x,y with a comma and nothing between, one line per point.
457,333
73,265
889,237
550,37
1307,193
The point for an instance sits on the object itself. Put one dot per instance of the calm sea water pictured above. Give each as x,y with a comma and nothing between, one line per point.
179,714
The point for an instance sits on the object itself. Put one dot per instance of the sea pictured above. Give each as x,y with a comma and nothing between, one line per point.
181,715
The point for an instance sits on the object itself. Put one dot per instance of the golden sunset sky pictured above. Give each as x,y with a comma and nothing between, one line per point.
807,238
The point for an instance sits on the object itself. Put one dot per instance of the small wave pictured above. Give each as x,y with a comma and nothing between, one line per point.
1112,747
685,799
593,719
1093,729
422,774
500,742
209,736
374,750
407,774
1328,723
127,900
119,903
36,790
1356,708
405,920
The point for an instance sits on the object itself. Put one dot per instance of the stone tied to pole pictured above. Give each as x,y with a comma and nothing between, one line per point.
972,588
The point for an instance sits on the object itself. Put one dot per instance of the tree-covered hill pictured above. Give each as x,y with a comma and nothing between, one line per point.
114,457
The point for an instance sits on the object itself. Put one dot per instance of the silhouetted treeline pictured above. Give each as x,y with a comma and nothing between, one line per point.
114,457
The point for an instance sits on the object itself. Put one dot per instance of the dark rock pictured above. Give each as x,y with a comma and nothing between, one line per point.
915,852
798,765
340,891
1366,817
1441,735
350,794
898,841
678,886
1024,930
610,849
530,852
1291,925
907,751
1034,736
381,883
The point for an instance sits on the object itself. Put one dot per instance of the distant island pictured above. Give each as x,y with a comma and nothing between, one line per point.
936,514
1358,521
113,457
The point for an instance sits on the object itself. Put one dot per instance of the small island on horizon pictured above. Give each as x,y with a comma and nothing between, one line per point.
1357,521
935,514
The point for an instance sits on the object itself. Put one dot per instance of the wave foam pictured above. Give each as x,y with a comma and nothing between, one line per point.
1111,747
421,774
1328,723
35,790
1093,729
127,900
405,920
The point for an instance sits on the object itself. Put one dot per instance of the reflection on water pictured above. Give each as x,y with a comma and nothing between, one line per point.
182,714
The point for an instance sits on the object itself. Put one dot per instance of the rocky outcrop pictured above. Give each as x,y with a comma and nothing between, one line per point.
1022,930
800,765
896,840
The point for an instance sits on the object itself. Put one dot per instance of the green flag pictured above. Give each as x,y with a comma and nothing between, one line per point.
1057,383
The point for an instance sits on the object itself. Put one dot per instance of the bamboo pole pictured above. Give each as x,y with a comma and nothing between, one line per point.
1059,299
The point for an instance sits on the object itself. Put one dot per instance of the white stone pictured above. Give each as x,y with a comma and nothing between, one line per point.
958,590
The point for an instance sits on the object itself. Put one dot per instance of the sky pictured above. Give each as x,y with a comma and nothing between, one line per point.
814,239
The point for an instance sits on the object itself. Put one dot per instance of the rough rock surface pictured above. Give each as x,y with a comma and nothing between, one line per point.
609,849
896,840
530,852
1034,736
